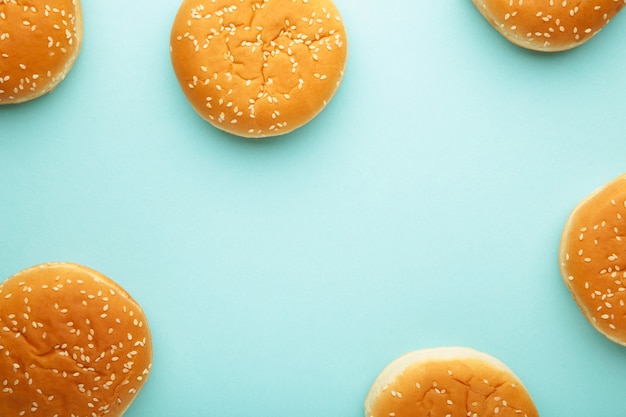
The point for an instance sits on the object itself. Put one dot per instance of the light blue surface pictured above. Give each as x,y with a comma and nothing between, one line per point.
422,208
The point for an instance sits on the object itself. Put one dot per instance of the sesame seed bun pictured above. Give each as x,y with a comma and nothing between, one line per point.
39,42
448,381
592,258
72,343
549,25
258,68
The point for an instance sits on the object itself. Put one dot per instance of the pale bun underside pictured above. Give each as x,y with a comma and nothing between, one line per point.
72,343
258,69
548,25
39,41
592,258
443,381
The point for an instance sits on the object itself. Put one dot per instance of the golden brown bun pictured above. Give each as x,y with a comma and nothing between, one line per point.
549,25
255,68
39,42
72,343
592,258
448,381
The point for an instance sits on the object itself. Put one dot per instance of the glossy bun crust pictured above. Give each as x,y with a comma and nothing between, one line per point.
258,68
448,381
549,25
72,343
39,42
592,258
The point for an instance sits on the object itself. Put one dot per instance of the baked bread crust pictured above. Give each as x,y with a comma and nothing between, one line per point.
592,258
39,43
72,343
448,381
549,25
258,68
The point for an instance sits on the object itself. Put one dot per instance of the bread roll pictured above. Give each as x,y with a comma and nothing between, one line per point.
448,381
592,258
39,42
258,68
72,343
549,25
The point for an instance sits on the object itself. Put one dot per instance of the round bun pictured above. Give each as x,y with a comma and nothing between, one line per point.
258,68
72,343
592,258
448,381
39,42
548,26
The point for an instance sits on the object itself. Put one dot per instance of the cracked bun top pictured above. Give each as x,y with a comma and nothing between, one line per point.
257,68
72,343
448,381
39,42
592,258
549,25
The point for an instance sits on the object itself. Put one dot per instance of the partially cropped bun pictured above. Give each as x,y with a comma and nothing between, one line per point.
72,343
549,25
592,258
448,381
39,42
258,68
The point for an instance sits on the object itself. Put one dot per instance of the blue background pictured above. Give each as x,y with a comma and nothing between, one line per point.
422,208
